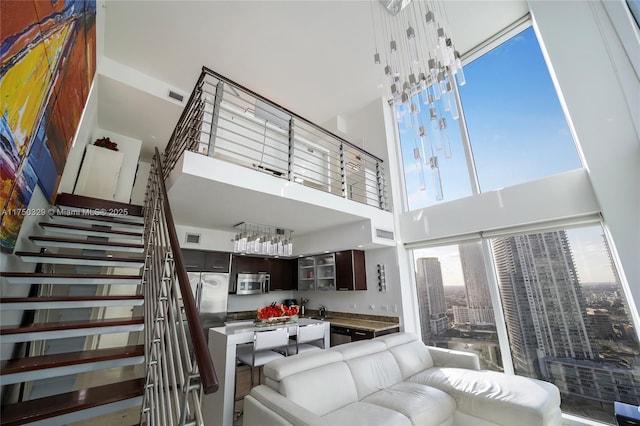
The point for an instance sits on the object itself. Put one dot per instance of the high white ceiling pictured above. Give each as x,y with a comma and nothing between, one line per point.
312,57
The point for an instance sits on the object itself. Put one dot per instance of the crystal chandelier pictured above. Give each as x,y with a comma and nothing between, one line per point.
262,239
421,67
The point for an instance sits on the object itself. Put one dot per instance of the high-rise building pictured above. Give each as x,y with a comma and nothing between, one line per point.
476,285
544,307
432,303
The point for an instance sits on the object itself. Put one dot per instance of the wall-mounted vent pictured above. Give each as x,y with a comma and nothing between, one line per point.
381,233
177,96
192,238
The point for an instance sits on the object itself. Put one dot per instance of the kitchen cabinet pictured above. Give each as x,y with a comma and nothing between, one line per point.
340,335
282,272
317,272
206,261
350,270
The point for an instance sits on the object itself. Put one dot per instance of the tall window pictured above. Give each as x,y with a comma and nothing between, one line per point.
455,303
566,316
517,131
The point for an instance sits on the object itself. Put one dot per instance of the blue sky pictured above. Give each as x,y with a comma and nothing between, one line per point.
517,128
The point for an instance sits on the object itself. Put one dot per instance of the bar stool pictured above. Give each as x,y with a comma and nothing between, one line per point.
306,334
261,352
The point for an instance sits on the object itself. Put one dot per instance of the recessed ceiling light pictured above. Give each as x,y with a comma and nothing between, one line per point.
326,251
153,137
360,246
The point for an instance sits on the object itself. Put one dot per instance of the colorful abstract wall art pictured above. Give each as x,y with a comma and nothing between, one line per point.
47,64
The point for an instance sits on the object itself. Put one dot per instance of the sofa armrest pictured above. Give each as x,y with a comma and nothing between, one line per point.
287,410
450,358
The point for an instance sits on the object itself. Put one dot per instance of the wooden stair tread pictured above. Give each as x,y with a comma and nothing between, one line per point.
79,257
88,242
102,218
69,358
65,298
69,276
82,201
69,325
89,228
56,405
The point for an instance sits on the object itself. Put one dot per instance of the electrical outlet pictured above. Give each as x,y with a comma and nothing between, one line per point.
384,307
372,307
395,309
352,305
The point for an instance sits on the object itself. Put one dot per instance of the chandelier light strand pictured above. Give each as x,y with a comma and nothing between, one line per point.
421,69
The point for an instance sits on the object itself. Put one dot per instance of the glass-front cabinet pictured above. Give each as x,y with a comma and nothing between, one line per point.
307,273
317,272
325,272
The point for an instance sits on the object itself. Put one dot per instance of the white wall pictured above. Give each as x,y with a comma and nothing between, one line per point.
210,239
130,147
593,73
561,196
140,185
84,135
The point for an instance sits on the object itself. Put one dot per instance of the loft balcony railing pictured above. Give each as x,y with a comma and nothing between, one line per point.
224,120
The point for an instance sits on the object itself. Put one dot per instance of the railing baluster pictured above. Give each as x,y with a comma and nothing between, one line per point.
238,124
178,365
215,116
343,172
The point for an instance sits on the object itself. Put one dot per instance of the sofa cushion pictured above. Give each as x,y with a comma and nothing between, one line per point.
359,349
374,372
364,414
412,357
395,339
423,405
281,368
497,397
322,389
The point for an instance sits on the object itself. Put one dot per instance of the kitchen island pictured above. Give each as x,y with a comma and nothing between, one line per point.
217,408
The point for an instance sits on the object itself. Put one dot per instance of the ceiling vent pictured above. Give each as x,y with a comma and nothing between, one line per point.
177,96
192,238
381,233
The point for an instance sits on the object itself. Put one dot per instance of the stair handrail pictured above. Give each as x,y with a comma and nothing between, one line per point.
179,367
207,370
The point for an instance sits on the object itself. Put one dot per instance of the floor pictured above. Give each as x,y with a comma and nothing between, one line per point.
131,416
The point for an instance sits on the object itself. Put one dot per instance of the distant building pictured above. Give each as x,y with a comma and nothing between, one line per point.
432,303
460,315
476,284
544,307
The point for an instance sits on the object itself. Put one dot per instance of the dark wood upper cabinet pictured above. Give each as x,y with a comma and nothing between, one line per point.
281,274
280,270
350,270
206,261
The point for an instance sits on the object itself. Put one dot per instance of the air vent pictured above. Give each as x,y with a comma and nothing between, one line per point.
177,96
192,238
381,233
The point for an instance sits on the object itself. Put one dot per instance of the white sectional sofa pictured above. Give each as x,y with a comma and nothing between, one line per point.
396,380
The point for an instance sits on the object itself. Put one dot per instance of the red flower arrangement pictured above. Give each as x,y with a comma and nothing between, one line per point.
275,311
106,143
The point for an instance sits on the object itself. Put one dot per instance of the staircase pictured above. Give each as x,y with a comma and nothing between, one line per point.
79,352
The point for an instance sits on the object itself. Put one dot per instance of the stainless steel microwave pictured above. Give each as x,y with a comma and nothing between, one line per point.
252,283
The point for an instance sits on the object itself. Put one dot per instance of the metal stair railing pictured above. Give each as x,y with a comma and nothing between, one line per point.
225,120
179,368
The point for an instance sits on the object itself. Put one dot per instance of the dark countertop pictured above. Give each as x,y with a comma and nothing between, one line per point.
374,323
360,324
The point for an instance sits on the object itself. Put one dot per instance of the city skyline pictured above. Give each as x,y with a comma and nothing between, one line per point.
590,257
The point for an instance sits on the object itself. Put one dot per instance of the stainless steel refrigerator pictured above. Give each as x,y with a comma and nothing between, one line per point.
210,291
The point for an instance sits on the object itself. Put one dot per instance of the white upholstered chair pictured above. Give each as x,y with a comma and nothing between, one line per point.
307,334
261,352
